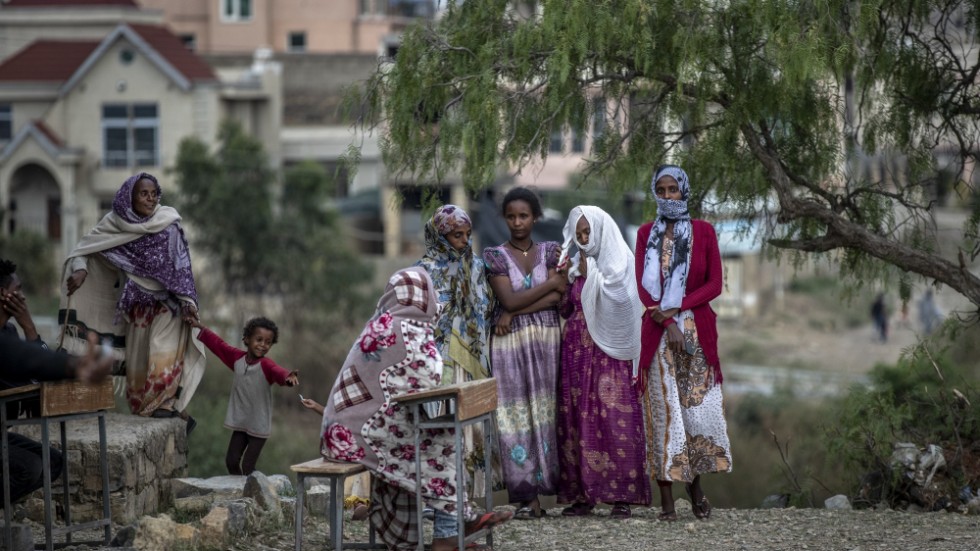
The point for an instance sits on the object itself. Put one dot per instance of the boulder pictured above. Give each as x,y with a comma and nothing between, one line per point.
155,534
838,502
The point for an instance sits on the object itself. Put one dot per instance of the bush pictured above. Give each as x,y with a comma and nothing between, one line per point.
927,398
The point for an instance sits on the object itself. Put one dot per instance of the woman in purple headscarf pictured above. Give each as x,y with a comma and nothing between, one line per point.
678,274
138,290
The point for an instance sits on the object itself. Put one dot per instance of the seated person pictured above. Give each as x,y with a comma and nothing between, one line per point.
20,360
397,354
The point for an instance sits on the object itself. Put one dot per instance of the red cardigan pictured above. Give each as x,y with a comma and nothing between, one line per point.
229,355
703,285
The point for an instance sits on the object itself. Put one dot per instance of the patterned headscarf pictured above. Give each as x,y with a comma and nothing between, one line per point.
669,293
161,256
460,286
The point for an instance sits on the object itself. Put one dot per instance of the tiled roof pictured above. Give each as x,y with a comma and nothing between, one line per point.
57,61
47,60
173,50
74,3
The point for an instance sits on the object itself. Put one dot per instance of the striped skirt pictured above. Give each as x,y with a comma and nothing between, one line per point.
525,364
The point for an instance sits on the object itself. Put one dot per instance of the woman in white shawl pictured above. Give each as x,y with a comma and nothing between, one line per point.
130,280
600,423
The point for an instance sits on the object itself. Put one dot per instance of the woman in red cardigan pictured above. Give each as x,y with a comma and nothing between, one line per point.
678,273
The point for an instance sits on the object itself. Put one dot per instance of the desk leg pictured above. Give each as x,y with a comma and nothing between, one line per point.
460,484
337,512
419,505
488,471
7,529
46,469
64,479
300,492
104,463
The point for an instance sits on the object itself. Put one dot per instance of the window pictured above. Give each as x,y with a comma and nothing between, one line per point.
6,122
190,41
578,141
556,141
129,134
236,10
297,41
598,118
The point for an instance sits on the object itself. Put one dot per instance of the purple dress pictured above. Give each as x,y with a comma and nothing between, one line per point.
525,364
600,423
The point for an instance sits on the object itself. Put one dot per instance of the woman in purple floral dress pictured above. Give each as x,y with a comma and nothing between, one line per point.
600,423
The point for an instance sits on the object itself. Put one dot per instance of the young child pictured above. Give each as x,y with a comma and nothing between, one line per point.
250,404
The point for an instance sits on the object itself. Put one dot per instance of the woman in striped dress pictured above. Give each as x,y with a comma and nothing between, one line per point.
524,353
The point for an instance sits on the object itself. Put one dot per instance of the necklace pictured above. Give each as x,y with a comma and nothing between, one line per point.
524,251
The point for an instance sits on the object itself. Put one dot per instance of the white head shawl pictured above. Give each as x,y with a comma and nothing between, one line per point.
610,300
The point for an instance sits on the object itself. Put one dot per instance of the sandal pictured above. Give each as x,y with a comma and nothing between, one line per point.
489,520
668,516
702,508
621,511
578,509
525,512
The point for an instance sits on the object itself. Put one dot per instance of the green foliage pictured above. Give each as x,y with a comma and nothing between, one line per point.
779,108
927,398
32,255
292,249
808,474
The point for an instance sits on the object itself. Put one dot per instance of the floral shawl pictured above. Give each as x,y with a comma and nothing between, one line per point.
461,288
395,354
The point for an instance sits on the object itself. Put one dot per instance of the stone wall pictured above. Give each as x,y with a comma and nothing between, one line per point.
144,456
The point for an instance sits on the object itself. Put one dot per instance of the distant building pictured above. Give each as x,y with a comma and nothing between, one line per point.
216,27
79,116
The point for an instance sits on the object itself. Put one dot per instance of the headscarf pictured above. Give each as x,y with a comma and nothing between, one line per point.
671,292
610,301
162,256
460,285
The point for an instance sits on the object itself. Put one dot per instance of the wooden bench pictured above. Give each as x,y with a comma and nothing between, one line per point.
336,472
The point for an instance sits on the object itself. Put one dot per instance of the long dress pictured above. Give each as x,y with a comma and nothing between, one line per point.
525,364
139,276
461,329
600,422
687,435
395,354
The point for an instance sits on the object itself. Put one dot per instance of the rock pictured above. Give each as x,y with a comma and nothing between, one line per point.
21,538
288,506
194,505
838,502
316,501
973,506
155,534
240,513
219,487
283,485
775,501
125,536
187,535
263,491
214,527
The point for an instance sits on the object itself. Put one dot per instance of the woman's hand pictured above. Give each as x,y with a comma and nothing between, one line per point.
503,324
675,339
293,378
559,281
661,316
188,312
75,280
312,405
